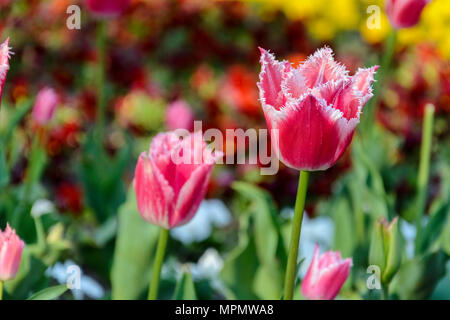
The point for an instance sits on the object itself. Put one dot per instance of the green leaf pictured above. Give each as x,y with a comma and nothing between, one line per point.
345,234
185,289
445,237
418,277
101,175
136,241
263,211
433,229
49,293
4,172
239,268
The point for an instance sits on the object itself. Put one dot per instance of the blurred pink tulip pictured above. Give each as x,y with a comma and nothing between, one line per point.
179,116
5,54
315,107
404,13
107,8
11,247
45,105
171,180
326,275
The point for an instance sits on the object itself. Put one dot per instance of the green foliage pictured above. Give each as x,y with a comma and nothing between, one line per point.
256,264
185,289
135,244
101,175
49,293
418,277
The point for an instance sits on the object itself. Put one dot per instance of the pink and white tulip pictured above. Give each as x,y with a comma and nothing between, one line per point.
45,105
314,108
11,247
5,55
171,180
107,8
326,275
179,116
404,13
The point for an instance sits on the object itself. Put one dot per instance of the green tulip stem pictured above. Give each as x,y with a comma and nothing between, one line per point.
424,169
385,64
291,269
159,258
1,289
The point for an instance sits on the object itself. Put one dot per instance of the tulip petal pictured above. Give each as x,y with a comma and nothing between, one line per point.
320,68
5,55
191,195
270,80
153,193
318,132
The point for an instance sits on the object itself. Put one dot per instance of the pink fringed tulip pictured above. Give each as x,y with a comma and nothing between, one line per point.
5,54
107,8
314,108
10,253
326,275
179,116
404,13
45,105
171,180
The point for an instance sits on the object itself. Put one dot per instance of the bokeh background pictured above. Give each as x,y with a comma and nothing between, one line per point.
205,53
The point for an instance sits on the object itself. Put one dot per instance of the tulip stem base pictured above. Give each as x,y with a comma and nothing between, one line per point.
1,290
159,258
291,269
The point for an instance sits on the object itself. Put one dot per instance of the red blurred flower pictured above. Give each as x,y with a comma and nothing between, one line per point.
239,90
44,107
404,13
179,115
107,8
69,198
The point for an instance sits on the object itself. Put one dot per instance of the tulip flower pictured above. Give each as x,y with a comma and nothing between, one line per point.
5,55
45,105
179,116
326,275
311,112
170,183
107,8
314,108
11,247
404,13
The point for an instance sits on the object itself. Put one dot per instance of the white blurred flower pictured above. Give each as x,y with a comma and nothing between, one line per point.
211,213
208,266
409,232
319,230
64,272
41,207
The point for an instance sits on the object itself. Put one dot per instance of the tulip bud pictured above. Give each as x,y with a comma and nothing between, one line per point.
11,247
385,248
5,55
171,180
45,105
326,275
107,8
179,116
312,110
404,13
